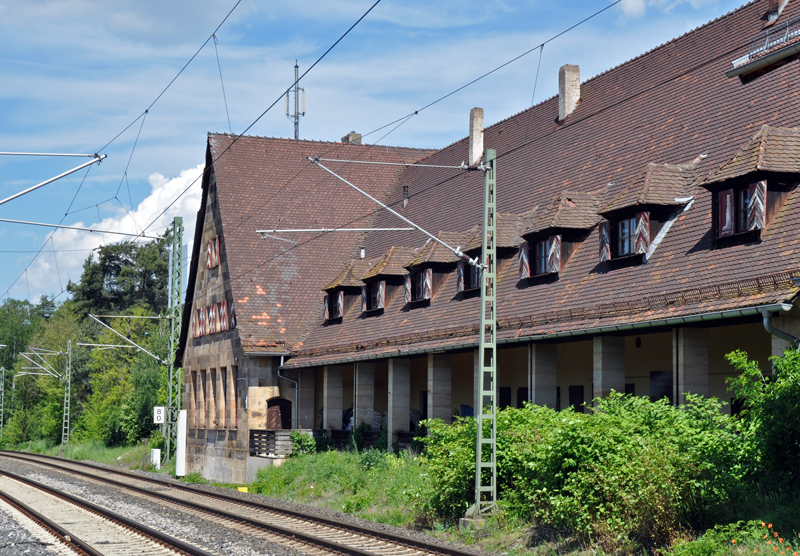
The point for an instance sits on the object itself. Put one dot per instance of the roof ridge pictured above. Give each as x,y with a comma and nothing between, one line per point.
762,147
322,142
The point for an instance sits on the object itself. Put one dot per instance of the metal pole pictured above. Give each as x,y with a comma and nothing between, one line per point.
2,397
79,228
134,344
296,101
175,380
486,441
67,392
51,180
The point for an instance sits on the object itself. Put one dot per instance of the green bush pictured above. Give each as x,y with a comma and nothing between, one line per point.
371,459
633,473
771,416
723,539
302,443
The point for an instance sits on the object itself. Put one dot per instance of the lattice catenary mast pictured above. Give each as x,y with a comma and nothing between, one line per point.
296,90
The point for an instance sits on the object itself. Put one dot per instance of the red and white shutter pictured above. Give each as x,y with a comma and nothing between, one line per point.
524,260
554,254
194,324
726,224
641,235
327,310
223,315
364,299
232,313
340,304
756,208
605,240
216,251
460,268
407,288
381,294
201,314
212,319
210,255
427,283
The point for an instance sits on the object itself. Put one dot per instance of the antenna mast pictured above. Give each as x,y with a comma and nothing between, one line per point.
297,90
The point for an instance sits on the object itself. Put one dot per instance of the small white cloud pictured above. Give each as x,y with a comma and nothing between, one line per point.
637,8
633,8
49,273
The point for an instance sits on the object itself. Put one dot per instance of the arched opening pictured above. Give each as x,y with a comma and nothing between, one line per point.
279,413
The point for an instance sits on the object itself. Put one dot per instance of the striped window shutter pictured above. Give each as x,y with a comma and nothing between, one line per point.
340,304
524,260
641,235
216,251
232,319
194,324
210,255
364,299
726,224
554,254
605,241
327,310
427,284
407,288
381,294
460,276
223,315
201,314
756,208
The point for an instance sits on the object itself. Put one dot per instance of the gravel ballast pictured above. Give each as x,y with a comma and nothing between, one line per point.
21,536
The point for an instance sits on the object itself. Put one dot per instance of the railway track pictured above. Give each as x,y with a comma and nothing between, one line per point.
83,527
305,533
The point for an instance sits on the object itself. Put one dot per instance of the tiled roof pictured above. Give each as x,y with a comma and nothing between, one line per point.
571,209
673,103
510,228
433,252
772,149
657,184
350,276
392,263
265,183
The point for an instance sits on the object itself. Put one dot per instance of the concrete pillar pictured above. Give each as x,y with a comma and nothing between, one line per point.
332,397
305,398
397,416
363,393
439,387
542,375
786,322
200,398
690,362
609,365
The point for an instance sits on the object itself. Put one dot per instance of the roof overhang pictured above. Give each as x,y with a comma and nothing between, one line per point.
764,61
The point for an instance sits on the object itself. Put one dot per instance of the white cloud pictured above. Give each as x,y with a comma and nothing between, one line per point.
49,273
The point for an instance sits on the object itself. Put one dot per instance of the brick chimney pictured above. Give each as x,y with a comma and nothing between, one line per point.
569,90
475,135
352,138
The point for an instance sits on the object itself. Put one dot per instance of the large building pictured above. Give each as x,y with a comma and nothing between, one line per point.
648,225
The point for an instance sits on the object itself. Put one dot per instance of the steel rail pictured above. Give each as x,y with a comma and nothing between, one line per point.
350,528
61,534
143,530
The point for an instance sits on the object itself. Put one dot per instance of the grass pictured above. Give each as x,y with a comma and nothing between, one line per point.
371,486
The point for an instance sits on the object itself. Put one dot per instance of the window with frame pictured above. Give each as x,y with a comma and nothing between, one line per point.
741,210
540,257
625,233
418,286
373,296
472,277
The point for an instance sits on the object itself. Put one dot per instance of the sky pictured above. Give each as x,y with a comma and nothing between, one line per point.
83,76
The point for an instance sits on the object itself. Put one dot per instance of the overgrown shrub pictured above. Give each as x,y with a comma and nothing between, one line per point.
302,443
771,415
634,472
371,459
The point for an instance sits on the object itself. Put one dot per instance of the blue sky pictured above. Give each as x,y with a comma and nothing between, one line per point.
75,73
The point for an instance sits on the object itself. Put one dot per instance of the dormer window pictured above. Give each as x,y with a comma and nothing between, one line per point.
626,236
546,257
625,239
741,210
373,296
334,305
418,285
540,258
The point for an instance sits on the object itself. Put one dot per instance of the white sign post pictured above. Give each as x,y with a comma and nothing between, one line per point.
159,415
155,458
180,449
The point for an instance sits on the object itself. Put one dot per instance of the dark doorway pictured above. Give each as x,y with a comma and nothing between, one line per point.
522,397
576,398
423,404
661,385
279,414
505,397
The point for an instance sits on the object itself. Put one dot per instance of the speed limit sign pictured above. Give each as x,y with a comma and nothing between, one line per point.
159,415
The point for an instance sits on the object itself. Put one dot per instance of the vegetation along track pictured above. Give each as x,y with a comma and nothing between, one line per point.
304,532
85,527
